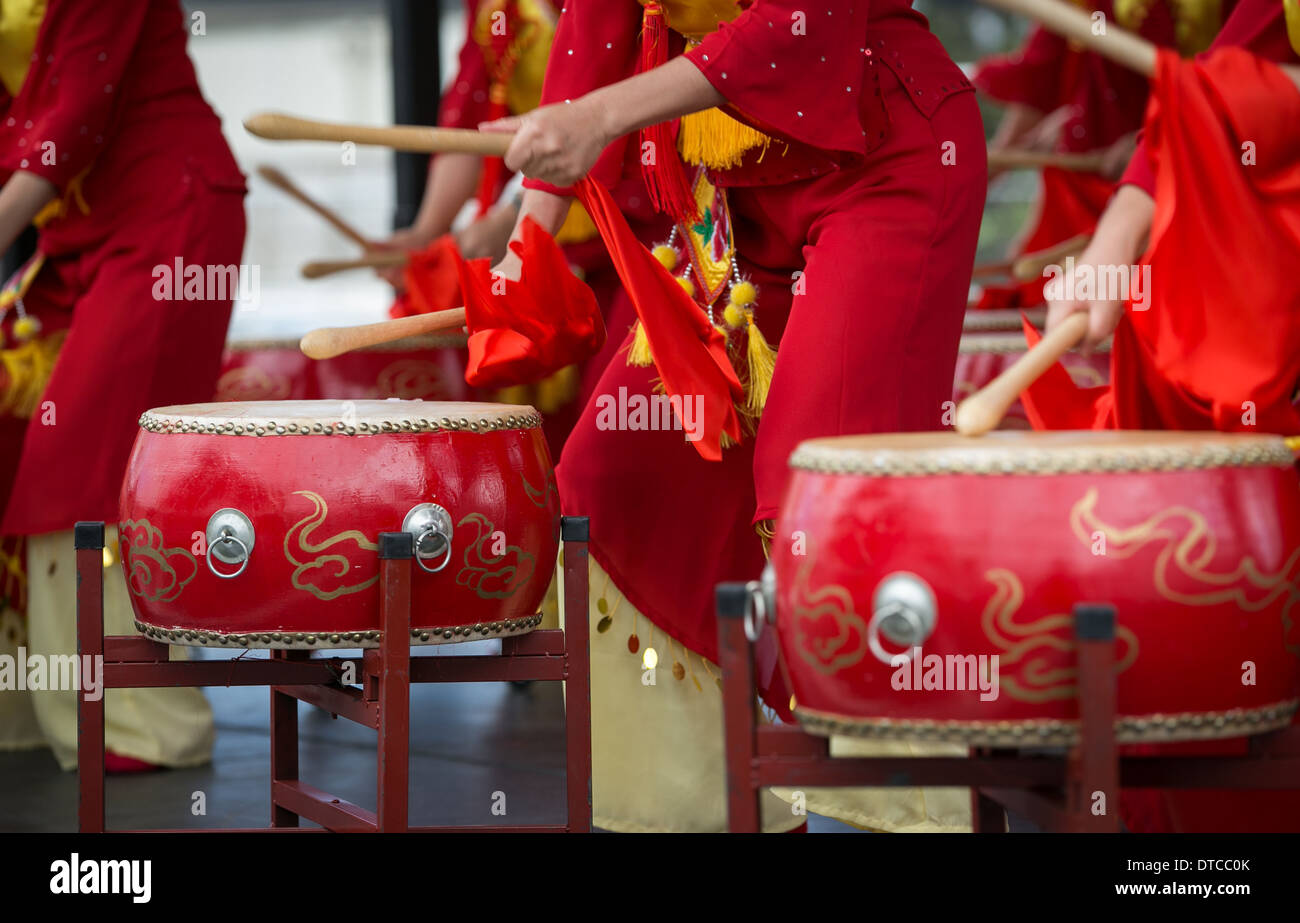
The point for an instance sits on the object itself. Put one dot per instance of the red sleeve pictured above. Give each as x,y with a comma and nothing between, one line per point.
1259,26
465,102
1030,76
793,69
70,97
596,44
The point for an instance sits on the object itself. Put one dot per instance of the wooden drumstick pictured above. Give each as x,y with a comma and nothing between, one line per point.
276,126
1011,159
279,180
984,409
1031,265
1069,21
375,259
328,342
1002,268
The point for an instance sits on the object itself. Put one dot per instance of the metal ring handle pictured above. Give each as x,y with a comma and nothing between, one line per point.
228,537
873,632
419,558
755,611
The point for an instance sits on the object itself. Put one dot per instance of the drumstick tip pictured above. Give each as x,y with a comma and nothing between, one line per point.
318,344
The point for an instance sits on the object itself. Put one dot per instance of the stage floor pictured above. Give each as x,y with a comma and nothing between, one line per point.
468,741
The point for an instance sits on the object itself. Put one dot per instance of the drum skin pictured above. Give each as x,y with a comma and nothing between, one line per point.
1193,537
317,503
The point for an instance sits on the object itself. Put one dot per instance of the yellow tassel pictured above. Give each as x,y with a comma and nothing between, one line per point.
666,256
762,363
26,372
716,140
726,441
1291,8
639,353
557,390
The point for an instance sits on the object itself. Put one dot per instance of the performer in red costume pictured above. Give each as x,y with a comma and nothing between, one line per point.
107,144
839,209
1064,98
501,66
1215,347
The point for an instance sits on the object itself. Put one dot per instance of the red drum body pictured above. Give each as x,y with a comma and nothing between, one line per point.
982,357
256,524
429,368
924,583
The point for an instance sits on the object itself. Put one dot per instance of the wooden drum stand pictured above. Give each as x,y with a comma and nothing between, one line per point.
1055,792
383,702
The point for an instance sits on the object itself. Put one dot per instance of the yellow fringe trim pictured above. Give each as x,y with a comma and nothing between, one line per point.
557,390
27,369
577,226
1292,8
59,207
716,140
548,395
515,394
762,363
639,352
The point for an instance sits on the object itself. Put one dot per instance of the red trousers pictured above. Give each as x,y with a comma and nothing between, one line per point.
126,350
863,277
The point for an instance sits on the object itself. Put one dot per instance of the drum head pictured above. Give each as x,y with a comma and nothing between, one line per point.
1032,453
347,417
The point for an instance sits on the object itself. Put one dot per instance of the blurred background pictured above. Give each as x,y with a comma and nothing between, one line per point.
381,61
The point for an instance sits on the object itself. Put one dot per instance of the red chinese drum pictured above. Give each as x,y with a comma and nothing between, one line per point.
975,552
257,524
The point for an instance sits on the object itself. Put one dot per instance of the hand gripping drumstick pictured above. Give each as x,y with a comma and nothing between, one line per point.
375,259
276,126
1091,162
1071,22
328,342
984,409
278,179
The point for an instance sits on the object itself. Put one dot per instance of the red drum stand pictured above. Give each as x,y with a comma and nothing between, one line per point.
1055,792
383,702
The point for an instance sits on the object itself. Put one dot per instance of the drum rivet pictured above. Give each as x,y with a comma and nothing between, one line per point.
315,427
372,635
478,627
415,632
300,637
275,636
447,633
311,639
266,639
424,636
334,638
